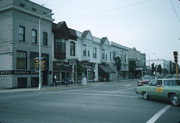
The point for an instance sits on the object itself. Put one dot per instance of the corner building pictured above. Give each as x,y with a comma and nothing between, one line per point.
19,43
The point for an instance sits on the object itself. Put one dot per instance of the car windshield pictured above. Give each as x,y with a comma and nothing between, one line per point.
148,78
171,82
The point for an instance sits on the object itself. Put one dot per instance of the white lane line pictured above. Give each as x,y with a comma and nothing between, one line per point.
126,89
158,114
128,85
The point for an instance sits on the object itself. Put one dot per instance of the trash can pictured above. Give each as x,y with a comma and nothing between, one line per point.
84,81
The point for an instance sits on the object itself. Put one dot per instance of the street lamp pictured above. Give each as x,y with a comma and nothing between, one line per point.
40,63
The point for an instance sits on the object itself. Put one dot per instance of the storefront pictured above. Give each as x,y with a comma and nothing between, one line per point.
105,72
61,71
89,72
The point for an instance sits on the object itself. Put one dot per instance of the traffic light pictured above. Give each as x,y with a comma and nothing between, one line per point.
175,56
36,61
43,65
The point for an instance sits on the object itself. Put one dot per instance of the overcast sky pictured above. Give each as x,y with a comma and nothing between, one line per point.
151,26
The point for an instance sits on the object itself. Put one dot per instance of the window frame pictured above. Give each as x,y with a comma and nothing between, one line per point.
22,33
34,37
19,60
45,38
72,48
103,54
84,50
94,52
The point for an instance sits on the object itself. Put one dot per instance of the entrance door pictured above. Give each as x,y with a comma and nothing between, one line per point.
45,77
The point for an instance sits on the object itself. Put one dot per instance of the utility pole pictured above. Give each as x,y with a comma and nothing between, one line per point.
176,62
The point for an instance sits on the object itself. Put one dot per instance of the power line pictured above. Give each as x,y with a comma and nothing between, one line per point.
114,9
175,10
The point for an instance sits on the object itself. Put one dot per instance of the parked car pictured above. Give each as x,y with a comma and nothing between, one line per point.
168,89
145,80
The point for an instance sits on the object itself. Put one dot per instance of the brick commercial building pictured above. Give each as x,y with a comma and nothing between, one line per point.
19,43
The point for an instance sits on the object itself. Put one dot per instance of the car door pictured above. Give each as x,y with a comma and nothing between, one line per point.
152,88
159,89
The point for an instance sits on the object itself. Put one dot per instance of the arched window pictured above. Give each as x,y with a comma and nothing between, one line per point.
72,48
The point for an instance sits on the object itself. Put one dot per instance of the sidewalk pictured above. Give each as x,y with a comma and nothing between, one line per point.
49,88
58,87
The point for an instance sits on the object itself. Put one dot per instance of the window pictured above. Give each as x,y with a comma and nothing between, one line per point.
34,36
94,52
34,9
84,50
159,82
60,46
21,60
72,48
45,38
114,56
22,82
171,82
88,53
153,83
60,49
110,55
22,5
103,53
22,33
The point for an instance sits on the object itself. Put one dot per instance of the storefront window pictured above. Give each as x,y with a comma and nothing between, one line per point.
21,60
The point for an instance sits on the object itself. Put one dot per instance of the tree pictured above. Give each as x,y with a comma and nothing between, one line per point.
80,69
153,68
132,66
118,63
159,68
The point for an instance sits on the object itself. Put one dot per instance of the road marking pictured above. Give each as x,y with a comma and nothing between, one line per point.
158,114
126,89
128,85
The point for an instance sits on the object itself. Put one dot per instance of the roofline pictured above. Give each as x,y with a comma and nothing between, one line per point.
25,11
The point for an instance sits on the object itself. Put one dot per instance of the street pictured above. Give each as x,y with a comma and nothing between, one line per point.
108,102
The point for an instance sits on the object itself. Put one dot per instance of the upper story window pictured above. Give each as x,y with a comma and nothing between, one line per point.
110,55
60,46
21,59
103,53
84,50
22,33
34,9
72,48
114,56
22,5
45,38
94,52
34,36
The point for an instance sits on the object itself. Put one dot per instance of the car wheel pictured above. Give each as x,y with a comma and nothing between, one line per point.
145,96
174,100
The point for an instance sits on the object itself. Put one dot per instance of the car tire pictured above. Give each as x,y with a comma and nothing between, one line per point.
174,100
145,96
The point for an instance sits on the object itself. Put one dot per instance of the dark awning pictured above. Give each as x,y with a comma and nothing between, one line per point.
106,69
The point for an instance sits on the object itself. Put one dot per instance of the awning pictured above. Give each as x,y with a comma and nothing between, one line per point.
106,69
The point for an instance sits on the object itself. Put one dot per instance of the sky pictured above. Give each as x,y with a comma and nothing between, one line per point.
151,26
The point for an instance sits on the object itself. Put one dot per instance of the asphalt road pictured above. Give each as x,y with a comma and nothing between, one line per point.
112,102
